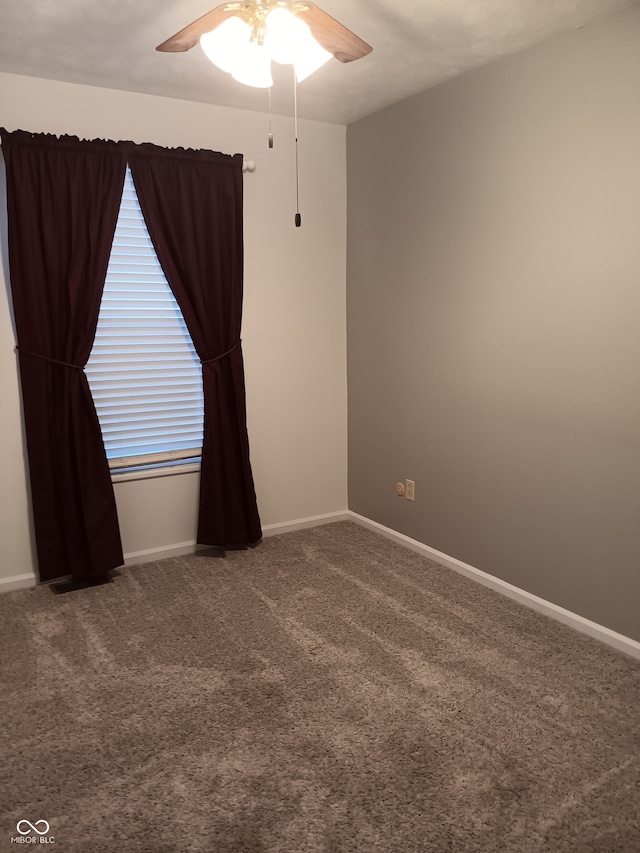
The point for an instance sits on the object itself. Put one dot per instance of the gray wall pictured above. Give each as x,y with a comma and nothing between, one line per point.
494,319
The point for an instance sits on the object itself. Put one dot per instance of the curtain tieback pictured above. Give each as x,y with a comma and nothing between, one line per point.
224,354
23,351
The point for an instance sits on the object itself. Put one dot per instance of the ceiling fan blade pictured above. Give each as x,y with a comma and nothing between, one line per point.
190,35
332,35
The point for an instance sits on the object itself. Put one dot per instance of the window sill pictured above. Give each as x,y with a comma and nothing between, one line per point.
157,471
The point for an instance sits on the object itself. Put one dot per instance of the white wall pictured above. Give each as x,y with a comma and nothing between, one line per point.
294,311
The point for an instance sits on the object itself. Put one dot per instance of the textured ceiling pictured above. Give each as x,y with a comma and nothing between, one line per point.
416,44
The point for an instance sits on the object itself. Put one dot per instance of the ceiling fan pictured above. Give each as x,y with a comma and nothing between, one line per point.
283,27
243,38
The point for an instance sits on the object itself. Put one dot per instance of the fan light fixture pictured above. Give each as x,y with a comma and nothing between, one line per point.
243,38
246,49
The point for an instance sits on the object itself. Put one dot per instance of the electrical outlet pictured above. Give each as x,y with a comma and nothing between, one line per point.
410,490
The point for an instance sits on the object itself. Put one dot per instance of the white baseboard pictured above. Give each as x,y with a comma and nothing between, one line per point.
17,582
132,559
579,623
304,523
179,549
150,555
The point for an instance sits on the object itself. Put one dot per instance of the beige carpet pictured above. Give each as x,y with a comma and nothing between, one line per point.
326,692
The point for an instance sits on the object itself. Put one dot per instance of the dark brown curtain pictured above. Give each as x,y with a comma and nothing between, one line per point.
192,205
63,197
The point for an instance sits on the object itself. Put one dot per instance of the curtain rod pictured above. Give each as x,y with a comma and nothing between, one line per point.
247,165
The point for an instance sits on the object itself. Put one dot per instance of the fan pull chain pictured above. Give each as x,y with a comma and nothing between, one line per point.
295,120
270,129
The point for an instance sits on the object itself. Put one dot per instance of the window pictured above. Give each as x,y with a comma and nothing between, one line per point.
144,373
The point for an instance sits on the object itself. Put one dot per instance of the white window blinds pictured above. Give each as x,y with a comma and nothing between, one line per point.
144,374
